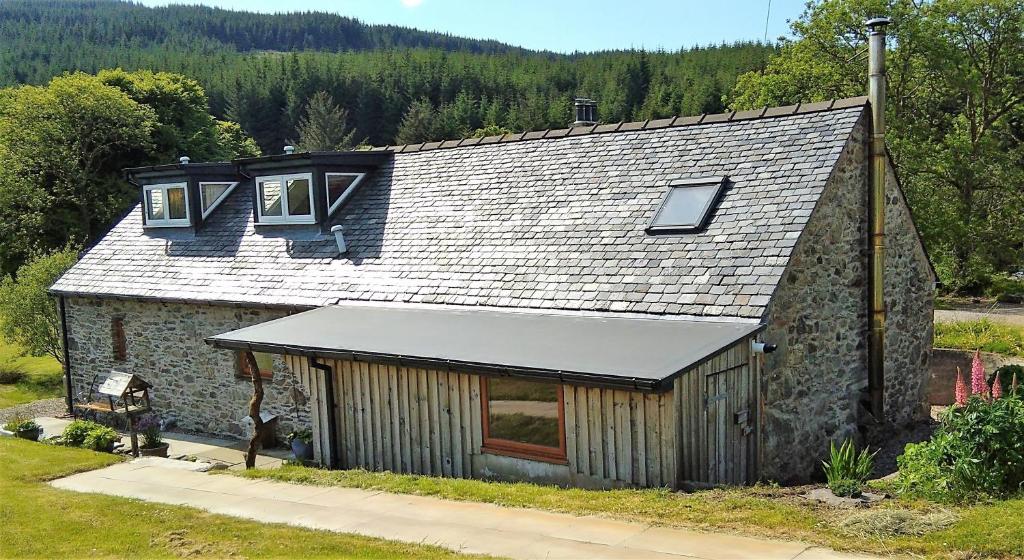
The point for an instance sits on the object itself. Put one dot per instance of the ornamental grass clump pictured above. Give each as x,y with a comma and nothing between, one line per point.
846,470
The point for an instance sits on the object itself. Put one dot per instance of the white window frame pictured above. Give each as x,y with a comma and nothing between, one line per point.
285,217
219,199
344,196
166,222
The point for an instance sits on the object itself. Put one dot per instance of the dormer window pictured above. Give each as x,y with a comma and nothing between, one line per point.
212,194
285,199
167,205
687,205
339,187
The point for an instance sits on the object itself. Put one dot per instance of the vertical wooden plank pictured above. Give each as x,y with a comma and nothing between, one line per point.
584,450
623,438
476,411
415,425
667,435
394,418
636,412
455,427
428,417
465,426
370,422
608,419
596,432
433,381
569,414
404,418
350,417
653,440
357,415
445,423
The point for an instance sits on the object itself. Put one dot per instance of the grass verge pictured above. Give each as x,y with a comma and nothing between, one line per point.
39,377
987,531
42,522
984,334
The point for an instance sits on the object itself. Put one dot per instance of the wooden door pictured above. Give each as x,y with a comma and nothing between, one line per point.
730,416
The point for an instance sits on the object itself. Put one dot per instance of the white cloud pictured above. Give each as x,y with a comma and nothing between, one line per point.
411,3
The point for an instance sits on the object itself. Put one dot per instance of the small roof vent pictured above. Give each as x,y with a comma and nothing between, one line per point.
289,150
184,160
586,112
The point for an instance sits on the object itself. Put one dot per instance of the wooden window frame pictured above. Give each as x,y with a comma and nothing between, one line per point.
118,339
242,371
518,449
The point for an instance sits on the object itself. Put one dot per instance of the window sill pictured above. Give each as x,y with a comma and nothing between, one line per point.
519,453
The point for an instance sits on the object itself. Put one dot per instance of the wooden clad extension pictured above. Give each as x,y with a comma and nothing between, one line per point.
424,421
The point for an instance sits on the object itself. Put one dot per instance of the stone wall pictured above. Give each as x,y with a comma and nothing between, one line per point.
192,382
910,308
814,382
818,318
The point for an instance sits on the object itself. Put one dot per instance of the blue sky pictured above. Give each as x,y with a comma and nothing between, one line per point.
562,26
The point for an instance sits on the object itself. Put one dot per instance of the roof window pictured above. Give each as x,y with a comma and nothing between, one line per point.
339,187
167,205
285,199
686,206
212,194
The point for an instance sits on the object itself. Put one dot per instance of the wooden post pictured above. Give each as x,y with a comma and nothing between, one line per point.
254,410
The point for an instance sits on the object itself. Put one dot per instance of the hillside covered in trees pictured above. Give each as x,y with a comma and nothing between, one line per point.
259,70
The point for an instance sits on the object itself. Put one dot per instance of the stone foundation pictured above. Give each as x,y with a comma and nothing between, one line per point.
192,382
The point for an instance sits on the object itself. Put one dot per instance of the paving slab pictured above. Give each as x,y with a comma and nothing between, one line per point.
461,526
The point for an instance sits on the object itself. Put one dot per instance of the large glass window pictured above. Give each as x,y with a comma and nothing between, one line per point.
286,199
685,207
212,194
523,419
339,188
166,205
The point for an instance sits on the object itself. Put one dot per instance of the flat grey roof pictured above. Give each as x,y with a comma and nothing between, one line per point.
633,353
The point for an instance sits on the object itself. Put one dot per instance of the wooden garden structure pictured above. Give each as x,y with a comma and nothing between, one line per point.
125,394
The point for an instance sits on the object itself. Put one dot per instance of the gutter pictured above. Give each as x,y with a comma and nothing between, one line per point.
332,428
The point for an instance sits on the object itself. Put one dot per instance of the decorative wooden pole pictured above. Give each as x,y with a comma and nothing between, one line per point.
254,411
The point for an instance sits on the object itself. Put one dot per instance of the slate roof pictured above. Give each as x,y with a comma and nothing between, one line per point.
555,222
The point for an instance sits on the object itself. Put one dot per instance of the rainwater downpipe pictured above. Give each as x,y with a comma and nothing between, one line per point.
64,350
876,200
332,430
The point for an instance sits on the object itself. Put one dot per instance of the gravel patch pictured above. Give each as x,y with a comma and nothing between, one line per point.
45,407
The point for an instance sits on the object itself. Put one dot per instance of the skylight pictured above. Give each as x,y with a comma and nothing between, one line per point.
339,187
686,205
166,205
213,193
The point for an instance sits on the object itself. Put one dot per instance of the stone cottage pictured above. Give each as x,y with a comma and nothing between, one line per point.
637,304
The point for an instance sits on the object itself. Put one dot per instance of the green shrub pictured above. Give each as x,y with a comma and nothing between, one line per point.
1006,288
846,470
19,424
100,439
977,452
90,435
10,373
982,334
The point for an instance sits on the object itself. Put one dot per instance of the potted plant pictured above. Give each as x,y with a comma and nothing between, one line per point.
153,444
24,429
302,444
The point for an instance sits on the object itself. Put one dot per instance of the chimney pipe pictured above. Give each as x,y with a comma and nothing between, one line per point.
184,160
877,172
289,150
585,112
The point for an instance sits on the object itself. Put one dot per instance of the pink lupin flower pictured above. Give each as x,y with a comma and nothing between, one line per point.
978,384
997,388
961,388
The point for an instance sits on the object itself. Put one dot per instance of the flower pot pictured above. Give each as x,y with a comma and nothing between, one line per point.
303,451
158,451
32,434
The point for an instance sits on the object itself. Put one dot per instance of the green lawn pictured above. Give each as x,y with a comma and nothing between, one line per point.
988,531
984,335
41,377
42,522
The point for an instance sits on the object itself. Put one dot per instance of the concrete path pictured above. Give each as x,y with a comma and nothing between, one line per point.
461,526
207,449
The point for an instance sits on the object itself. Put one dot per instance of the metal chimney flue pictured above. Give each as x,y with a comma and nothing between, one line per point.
877,172
585,112
289,150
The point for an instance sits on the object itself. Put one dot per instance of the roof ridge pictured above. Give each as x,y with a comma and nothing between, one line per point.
650,124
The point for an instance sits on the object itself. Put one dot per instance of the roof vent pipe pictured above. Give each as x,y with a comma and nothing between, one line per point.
289,150
339,238
585,112
877,172
184,160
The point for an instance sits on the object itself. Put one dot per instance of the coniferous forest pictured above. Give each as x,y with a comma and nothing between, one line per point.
259,70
